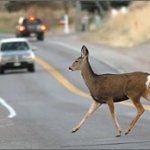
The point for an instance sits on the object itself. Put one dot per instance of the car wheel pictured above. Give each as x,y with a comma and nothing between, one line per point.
2,70
18,35
31,68
40,36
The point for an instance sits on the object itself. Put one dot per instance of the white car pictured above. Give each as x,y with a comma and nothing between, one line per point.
16,53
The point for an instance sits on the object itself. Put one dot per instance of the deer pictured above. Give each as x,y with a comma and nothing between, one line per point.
111,88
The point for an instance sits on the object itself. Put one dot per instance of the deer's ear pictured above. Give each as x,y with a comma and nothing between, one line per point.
84,51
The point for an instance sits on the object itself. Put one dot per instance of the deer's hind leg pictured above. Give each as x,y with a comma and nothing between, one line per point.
94,106
140,111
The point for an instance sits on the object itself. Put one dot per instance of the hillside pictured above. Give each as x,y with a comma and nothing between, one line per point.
124,29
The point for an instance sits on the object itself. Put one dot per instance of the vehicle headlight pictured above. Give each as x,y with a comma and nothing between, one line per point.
29,56
5,58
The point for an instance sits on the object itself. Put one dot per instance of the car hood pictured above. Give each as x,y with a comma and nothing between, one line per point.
14,53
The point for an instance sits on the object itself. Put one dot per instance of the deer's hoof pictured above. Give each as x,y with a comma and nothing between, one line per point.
127,132
119,134
75,130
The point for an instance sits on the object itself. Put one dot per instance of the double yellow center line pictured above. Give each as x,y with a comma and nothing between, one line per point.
68,85
60,78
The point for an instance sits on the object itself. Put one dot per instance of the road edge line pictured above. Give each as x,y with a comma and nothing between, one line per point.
12,112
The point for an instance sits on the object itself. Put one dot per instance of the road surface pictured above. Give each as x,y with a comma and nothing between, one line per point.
41,108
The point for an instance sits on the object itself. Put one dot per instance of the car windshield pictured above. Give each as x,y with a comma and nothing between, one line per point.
32,22
14,46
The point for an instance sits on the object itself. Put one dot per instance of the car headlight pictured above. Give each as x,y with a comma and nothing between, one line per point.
4,58
29,56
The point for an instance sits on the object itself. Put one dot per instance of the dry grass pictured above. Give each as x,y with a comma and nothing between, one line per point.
125,29
8,21
51,18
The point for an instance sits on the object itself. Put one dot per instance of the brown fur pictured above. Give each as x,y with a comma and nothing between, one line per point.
118,86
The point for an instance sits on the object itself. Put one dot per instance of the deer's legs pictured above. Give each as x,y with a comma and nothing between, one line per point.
140,111
94,106
112,111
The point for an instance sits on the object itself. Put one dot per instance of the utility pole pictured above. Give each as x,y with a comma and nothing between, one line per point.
2,4
101,11
66,18
66,7
78,16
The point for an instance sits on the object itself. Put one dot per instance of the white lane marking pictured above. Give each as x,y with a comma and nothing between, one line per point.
12,112
78,49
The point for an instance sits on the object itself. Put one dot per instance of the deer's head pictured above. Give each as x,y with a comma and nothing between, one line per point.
80,61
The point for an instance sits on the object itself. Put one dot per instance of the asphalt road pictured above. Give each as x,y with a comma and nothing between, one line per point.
47,106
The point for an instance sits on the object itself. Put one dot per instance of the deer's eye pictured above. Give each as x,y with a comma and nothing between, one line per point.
76,61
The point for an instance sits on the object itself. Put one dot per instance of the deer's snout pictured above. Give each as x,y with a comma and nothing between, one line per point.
70,69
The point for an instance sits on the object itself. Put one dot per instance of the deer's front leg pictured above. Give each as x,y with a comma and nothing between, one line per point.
112,111
94,106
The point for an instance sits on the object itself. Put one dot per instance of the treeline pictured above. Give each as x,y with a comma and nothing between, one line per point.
63,4
23,5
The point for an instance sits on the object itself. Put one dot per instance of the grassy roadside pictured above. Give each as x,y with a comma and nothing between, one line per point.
8,21
124,30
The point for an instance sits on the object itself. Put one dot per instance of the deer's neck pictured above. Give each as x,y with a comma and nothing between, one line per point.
88,75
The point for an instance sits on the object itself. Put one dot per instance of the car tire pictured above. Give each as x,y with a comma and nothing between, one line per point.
40,36
31,68
18,35
2,71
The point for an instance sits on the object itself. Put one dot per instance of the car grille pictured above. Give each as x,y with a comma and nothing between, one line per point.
12,58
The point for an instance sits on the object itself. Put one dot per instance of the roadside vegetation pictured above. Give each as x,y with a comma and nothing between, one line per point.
124,29
50,13
8,21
